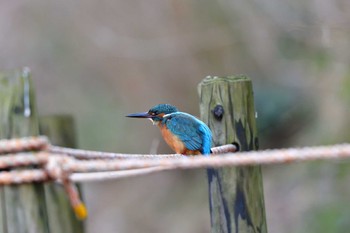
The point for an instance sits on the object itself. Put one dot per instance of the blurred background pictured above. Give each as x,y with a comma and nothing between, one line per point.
100,60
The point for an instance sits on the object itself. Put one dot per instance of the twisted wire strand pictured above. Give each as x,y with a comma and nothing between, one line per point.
276,156
112,175
90,155
23,144
81,171
23,159
58,166
66,164
224,149
23,176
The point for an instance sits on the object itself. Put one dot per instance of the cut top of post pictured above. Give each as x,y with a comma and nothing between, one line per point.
232,78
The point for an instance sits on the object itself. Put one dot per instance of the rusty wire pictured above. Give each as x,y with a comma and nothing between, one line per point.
60,166
23,176
23,159
277,156
91,155
23,144
68,165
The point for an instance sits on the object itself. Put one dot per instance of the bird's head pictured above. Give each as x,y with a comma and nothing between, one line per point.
156,113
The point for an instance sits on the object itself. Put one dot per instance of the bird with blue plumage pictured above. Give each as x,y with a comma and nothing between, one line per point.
184,133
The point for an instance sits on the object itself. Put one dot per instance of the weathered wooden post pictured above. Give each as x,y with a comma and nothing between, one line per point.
235,193
24,208
60,129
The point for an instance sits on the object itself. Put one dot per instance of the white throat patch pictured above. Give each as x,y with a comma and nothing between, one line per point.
153,122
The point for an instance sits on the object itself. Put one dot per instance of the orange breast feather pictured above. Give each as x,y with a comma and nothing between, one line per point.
175,143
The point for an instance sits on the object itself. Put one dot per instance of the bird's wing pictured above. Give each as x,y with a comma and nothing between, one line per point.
187,129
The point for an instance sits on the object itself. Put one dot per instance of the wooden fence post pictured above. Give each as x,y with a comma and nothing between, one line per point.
23,207
60,130
235,193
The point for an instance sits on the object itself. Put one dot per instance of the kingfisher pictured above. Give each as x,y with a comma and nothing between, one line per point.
184,133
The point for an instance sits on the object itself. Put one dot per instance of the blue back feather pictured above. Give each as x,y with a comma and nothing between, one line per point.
192,132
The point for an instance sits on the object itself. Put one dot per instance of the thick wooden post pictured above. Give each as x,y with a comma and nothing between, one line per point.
61,218
235,194
28,208
23,208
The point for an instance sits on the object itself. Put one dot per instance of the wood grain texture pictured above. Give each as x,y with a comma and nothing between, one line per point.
23,206
235,194
60,131
32,208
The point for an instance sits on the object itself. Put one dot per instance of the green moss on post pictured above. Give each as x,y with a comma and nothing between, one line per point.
235,194
60,130
32,208
22,206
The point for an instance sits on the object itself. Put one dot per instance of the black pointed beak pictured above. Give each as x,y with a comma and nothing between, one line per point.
140,115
